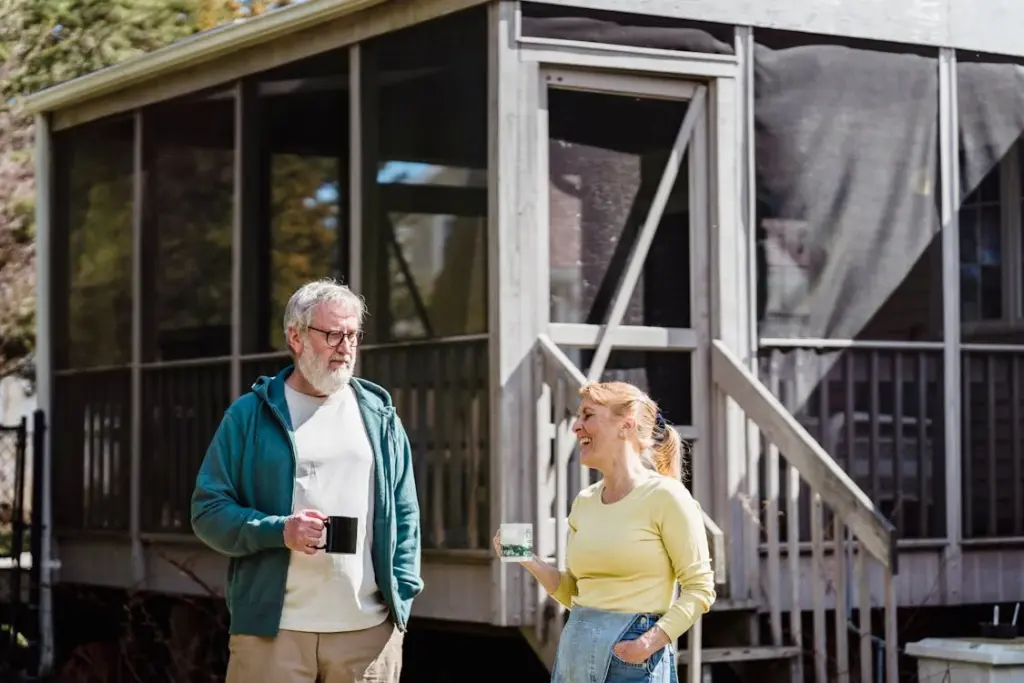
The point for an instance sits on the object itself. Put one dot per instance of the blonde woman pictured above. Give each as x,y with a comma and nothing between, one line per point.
633,538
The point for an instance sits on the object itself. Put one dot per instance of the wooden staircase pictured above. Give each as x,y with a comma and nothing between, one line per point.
762,636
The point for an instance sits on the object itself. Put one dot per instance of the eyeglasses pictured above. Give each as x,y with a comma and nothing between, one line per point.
336,337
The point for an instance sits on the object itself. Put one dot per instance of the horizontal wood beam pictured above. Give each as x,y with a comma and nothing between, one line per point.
625,337
553,354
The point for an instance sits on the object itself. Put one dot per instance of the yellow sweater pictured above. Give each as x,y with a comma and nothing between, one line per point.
628,556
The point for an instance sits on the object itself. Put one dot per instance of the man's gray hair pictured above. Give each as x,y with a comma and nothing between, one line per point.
299,311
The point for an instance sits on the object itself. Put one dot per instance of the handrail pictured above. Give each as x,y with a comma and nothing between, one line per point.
716,537
815,465
556,355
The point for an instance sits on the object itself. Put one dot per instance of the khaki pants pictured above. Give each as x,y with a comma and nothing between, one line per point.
370,656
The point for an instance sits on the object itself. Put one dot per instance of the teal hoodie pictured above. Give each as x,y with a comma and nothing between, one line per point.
243,495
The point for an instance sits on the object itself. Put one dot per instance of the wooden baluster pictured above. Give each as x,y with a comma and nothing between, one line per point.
694,664
842,642
541,513
818,590
562,449
772,522
867,665
891,637
793,553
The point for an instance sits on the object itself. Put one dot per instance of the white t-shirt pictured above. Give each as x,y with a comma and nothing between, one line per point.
334,473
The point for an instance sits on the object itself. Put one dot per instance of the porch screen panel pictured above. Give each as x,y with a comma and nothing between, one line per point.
606,156
848,234
301,203
424,129
425,218
188,222
991,121
188,214
92,310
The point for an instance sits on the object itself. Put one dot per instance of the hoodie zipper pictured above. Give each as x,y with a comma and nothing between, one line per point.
291,442
387,416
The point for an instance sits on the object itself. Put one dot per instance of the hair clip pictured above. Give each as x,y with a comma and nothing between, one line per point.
659,420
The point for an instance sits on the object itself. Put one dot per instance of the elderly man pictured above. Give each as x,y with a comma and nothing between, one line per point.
309,458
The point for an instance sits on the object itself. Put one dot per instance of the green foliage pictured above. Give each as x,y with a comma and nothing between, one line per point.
44,43
60,40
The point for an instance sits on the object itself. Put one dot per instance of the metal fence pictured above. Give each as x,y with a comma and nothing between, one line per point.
19,543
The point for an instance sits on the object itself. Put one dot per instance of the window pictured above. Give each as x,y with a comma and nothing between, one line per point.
189,212
991,264
424,120
93,312
302,205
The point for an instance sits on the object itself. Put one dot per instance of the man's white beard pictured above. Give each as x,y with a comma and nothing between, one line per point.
321,377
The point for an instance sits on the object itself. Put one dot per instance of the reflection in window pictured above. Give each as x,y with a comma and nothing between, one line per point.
426,240
429,299
416,173
426,298
192,194
98,161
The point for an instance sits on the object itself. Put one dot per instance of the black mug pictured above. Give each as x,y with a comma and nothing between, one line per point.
342,534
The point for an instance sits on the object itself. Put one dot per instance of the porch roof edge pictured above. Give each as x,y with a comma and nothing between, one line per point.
190,52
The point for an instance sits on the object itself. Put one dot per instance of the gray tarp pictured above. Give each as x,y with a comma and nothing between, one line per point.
848,175
847,161
847,182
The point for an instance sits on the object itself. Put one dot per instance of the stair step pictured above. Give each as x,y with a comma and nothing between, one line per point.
723,655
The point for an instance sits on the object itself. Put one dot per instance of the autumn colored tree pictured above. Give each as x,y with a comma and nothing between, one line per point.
44,43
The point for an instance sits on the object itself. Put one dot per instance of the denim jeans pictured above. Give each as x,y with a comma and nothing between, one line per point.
585,650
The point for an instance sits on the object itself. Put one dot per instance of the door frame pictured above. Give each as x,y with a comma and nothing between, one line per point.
690,148
519,276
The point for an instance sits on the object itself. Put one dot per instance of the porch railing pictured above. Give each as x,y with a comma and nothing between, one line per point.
182,406
559,477
884,408
440,389
871,540
879,410
992,438
91,442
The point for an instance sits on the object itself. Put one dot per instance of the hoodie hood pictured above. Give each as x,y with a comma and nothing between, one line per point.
371,396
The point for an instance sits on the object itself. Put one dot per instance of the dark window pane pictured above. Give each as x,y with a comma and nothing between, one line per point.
991,252
189,226
969,225
96,164
991,292
606,156
988,191
970,292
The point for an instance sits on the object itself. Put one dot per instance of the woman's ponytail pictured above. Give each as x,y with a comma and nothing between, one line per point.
668,452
